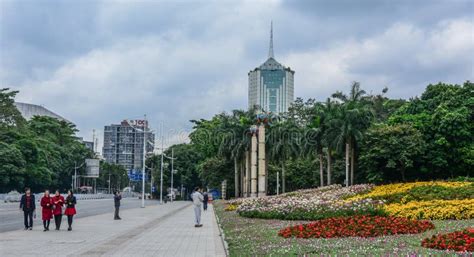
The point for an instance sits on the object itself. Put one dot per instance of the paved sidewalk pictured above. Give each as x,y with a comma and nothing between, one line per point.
163,230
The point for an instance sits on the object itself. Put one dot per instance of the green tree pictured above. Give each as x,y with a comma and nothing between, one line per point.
9,114
12,168
348,124
284,143
389,150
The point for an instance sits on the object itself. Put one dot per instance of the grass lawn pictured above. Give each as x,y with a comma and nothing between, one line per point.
258,237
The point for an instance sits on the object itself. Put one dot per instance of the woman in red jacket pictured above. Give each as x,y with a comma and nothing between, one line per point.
70,208
47,212
58,201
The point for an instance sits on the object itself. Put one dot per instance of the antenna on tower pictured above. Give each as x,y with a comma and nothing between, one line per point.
270,50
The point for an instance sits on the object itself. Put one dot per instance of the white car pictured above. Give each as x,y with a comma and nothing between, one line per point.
13,196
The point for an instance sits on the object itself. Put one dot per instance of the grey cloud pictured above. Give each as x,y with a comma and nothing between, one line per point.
97,62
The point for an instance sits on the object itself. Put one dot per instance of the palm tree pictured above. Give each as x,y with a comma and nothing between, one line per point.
315,133
351,120
283,144
235,140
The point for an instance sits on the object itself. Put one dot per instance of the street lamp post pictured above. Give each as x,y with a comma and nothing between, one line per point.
75,174
161,171
172,171
144,159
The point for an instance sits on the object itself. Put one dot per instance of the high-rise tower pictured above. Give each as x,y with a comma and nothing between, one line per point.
271,85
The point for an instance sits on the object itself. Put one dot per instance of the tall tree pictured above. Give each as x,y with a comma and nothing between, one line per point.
284,143
352,118
391,148
9,114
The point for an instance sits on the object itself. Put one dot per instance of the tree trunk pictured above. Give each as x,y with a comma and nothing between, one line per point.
402,171
321,171
352,164
236,178
283,178
242,174
347,164
329,165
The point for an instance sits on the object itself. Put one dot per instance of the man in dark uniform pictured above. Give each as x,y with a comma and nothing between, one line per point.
117,198
27,204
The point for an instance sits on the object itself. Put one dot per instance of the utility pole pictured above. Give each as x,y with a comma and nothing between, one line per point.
151,179
172,173
161,172
144,158
75,176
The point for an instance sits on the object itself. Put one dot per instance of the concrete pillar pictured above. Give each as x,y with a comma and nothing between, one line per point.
262,180
253,165
241,177
247,173
244,176
236,178
224,189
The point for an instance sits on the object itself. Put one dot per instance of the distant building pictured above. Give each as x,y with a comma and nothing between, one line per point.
89,145
271,85
28,111
123,143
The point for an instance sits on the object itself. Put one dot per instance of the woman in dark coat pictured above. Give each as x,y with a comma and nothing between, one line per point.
47,212
70,208
58,201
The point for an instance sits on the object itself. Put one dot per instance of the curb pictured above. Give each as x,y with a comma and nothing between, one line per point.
221,233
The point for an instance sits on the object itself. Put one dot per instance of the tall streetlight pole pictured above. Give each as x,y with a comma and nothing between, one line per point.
144,159
75,175
172,172
161,172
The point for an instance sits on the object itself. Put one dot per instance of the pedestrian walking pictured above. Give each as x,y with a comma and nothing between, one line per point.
70,208
117,198
27,205
197,200
47,211
58,202
206,199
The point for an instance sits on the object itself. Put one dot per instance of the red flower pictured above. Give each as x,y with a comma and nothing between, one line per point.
460,241
358,226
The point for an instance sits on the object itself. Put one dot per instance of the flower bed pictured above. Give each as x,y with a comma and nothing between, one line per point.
434,210
387,192
312,204
356,226
460,241
231,207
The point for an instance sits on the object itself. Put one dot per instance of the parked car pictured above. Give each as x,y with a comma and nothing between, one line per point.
13,196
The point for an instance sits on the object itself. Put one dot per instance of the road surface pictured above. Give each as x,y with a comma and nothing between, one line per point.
11,218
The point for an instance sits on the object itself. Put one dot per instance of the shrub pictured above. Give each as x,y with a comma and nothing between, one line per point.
460,241
356,226
312,215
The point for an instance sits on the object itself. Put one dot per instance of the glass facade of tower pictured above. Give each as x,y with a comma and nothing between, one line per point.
271,87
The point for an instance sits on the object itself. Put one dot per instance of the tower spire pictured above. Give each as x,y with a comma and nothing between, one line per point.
270,50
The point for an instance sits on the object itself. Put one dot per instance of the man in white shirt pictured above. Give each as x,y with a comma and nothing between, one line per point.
197,200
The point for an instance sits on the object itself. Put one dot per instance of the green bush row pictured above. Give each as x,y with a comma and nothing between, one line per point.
311,215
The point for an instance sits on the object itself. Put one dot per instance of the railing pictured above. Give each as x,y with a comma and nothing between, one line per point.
16,198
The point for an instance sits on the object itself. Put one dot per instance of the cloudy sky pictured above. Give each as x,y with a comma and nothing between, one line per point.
98,62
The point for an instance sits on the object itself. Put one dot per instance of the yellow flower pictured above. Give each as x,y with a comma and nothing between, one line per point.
231,207
434,210
384,190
